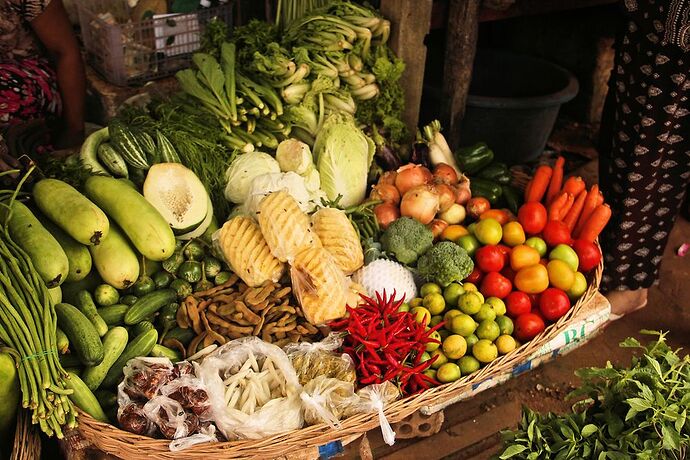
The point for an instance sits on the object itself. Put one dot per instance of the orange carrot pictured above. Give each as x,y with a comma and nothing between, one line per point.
571,218
540,182
574,185
600,198
591,202
596,223
527,189
556,180
554,209
566,206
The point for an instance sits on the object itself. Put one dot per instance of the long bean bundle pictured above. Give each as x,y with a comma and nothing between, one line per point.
27,325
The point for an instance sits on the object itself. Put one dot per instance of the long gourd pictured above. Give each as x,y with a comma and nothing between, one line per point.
77,254
115,260
141,222
9,392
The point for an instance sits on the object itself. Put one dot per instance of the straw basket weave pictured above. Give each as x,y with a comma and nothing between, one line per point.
27,440
114,441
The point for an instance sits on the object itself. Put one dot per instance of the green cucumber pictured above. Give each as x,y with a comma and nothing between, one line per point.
71,289
141,222
55,294
474,158
46,254
89,151
107,399
84,399
141,345
86,305
112,160
70,360
78,255
114,343
10,392
129,299
141,327
166,151
71,211
127,144
115,260
85,341
485,188
496,171
149,147
184,336
159,351
106,295
61,341
113,315
148,305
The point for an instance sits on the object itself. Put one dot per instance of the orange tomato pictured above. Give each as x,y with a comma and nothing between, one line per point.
501,215
522,256
533,279
453,232
561,275
513,234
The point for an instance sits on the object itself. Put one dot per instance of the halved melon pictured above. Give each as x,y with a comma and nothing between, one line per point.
199,231
178,194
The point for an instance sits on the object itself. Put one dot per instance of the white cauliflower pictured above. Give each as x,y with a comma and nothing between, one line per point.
385,274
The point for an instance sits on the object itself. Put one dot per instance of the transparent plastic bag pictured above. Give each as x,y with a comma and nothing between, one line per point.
190,393
131,416
278,413
375,398
170,418
144,376
311,360
326,399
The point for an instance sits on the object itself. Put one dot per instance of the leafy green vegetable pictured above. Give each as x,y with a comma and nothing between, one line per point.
445,263
243,170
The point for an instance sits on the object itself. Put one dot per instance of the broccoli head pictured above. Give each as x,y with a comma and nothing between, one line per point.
444,263
407,239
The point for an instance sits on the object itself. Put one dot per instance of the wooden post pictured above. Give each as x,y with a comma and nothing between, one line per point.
410,21
461,43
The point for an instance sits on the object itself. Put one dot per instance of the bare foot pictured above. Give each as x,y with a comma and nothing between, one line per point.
625,302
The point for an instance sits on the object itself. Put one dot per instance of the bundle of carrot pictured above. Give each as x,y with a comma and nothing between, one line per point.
569,201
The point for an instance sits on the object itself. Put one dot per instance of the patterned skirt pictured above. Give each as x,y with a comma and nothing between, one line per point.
28,90
644,161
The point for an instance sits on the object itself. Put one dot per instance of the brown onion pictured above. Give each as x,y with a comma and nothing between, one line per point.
388,178
437,226
386,213
446,196
386,193
420,203
464,193
445,174
410,176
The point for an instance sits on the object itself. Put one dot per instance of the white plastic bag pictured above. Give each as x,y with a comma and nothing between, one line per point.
279,414
326,399
311,360
375,398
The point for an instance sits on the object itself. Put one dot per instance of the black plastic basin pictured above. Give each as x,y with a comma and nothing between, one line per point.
513,103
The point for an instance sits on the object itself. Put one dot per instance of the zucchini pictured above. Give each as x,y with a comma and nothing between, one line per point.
114,315
166,151
148,305
142,223
114,343
141,345
127,145
46,254
78,256
89,151
115,260
10,392
86,305
61,341
159,351
84,399
112,160
71,211
86,342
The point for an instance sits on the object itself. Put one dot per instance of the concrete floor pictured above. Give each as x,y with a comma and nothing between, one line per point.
471,429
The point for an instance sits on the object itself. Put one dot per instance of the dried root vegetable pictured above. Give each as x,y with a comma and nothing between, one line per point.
234,310
254,385
247,252
339,237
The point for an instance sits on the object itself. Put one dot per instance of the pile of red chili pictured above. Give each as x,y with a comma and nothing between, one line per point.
387,344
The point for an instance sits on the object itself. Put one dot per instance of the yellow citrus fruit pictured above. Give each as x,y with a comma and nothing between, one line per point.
421,315
435,303
470,287
440,361
468,364
450,314
485,351
429,288
506,325
470,302
560,274
431,373
488,231
463,325
488,329
486,311
449,372
416,302
505,344
431,346
455,347
471,340
498,304
454,232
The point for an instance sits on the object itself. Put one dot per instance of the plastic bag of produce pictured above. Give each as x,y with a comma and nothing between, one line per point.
144,376
325,400
253,389
375,398
321,359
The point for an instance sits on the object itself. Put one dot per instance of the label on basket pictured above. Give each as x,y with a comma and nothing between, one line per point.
330,450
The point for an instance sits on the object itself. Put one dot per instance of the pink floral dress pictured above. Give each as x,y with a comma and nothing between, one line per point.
28,84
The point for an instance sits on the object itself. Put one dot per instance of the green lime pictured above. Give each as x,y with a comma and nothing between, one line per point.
435,320
462,325
471,340
431,346
449,372
425,357
444,333
450,314
468,364
469,243
434,303
421,315
431,373
489,330
429,288
440,361
498,304
485,351
505,324
452,292
404,307
416,302
470,302
454,347
486,311
505,344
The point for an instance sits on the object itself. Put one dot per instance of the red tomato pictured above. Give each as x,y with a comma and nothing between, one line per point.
475,277
554,303
534,299
517,303
588,253
490,258
556,232
495,285
532,217
509,273
505,250
527,326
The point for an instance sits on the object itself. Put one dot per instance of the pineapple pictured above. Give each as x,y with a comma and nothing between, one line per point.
339,237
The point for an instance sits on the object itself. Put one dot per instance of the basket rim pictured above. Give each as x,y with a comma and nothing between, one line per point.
113,440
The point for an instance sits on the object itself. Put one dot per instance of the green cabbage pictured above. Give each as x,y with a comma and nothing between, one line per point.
243,170
343,154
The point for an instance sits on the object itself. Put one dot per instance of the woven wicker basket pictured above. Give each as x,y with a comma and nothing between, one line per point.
121,443
27,440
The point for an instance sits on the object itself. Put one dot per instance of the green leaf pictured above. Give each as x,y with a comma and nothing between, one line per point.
680,421
638,404
671,438
588,430
613,455
512,451
630,342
